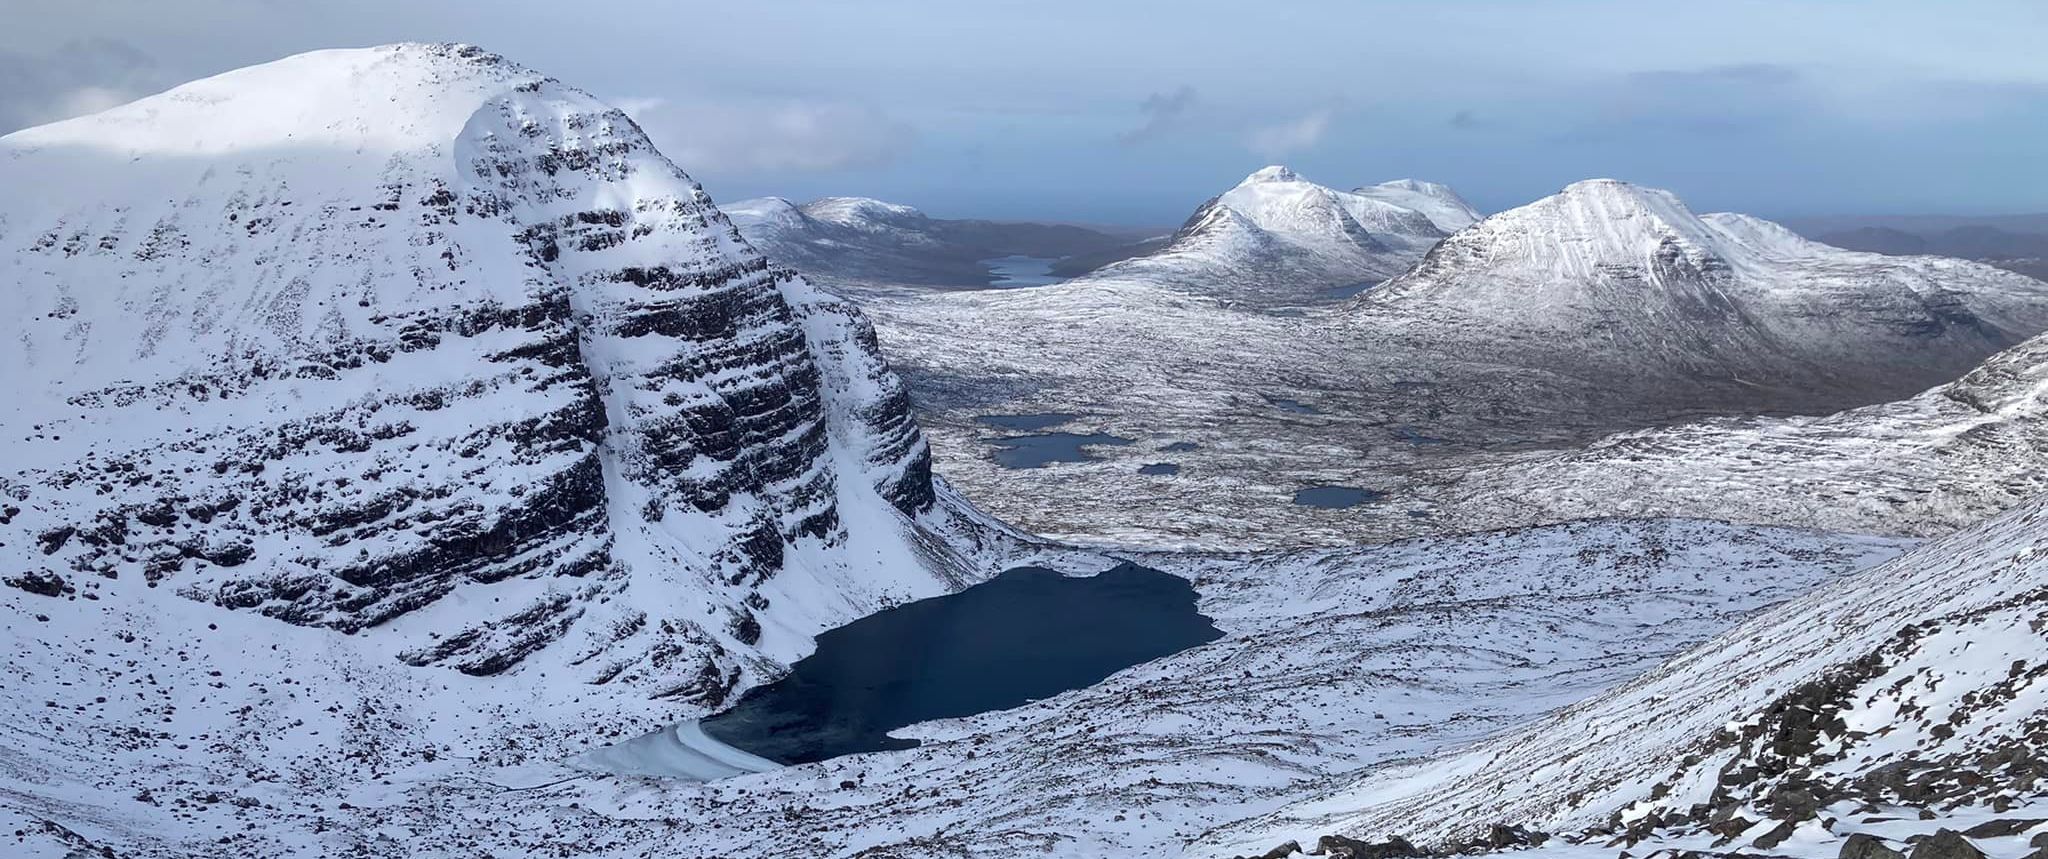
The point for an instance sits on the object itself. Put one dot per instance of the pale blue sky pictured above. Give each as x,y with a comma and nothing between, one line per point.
1134,112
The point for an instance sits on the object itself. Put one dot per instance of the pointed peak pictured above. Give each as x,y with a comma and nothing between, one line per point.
1613,197
763,204
763,210
1612,188
1274,173
1416,185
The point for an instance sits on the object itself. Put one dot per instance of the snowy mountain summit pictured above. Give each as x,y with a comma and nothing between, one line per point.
414,343
1606,276
1444,207
1277,238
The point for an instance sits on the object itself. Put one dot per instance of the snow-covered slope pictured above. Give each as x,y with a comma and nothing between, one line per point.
413,343
1919,685
1927,465
1626,284
1442,205
853,238
1278,239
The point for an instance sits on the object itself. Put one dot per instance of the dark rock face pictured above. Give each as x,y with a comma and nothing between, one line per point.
40,583
1861,846
1770,840
2002,828
1351,848
1946,844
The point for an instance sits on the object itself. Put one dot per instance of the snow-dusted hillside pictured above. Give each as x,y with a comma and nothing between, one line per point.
1927,465
1277,239
1917,690
417,345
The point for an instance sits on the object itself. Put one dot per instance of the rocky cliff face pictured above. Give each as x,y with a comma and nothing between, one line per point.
415,342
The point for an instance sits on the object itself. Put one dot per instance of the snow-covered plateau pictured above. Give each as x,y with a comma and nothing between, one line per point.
401,452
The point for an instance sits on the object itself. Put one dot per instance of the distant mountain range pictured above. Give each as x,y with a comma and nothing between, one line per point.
1604,308
854,240
2015,242
1274,239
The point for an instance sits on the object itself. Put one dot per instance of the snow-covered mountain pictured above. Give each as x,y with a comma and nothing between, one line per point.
1625,284
1442,205
1277,239
856,243
1916,690
417,344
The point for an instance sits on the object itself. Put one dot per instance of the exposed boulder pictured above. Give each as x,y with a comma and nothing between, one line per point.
1946,844
1862,846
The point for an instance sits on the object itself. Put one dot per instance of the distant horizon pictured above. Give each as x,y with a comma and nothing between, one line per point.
973,214
1113,114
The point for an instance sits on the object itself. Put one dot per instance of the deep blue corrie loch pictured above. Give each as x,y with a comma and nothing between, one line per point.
1043,449
1026,634
1013,272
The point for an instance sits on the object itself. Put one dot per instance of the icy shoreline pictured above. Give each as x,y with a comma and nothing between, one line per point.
680,751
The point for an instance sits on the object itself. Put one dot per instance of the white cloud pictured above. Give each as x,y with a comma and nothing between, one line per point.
70,80
92,99
1289,137
728,138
